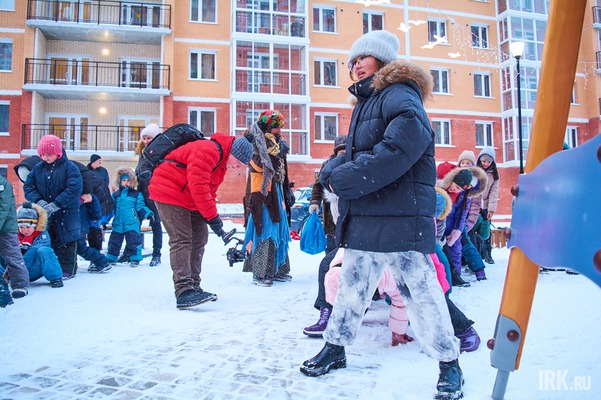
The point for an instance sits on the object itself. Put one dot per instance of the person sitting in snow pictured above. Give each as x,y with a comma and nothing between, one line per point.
129,210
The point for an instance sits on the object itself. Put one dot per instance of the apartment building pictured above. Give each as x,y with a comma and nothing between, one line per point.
96,72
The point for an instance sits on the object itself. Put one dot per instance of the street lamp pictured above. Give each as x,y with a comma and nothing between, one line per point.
517,49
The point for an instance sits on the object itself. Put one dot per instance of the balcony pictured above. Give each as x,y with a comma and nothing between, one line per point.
81,79
597,17
83,137
100,20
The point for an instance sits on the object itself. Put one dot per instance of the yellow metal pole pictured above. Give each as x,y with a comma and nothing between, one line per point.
560,58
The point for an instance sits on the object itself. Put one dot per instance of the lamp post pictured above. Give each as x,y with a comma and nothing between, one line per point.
517,49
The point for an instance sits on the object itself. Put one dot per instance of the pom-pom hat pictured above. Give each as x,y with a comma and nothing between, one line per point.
27,215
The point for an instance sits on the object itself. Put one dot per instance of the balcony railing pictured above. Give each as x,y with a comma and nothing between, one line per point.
126,74
597,15
107,12
83,137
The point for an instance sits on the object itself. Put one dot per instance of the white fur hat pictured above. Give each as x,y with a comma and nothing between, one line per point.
151,130
382,45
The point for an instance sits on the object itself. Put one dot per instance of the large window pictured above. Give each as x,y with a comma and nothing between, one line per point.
324,19
325,72
482,85
203,10
6,54
4,118
295,130
7,5
484,134
270,68
372,21
480,36
326,126
436,28
441,80
202,64
267,17
203,119
442,132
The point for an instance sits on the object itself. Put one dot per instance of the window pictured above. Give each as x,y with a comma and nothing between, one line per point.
574,99
484,134
325,72
441,80
202,64
571,138
326,126
4,118
203,119
482,86
7,5
442,132
480,36
438,28
324,19
6,54
372,21
203,10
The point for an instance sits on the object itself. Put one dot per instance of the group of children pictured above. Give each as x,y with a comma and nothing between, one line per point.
43,236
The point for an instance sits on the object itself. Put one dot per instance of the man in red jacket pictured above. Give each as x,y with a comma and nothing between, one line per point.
184,189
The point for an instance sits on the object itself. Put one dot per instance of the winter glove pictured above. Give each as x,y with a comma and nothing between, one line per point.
151,218
24,247
453,236
42,203
51,208
216,225
313,208
403,339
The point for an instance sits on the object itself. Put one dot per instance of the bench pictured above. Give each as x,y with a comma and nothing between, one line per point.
143,231
497,238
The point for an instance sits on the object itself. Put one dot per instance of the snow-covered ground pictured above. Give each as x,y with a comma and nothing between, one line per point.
119,335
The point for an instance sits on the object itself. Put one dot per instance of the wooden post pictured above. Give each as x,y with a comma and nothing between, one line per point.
560,58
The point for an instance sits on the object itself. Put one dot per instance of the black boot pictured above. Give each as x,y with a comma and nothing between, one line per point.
488,253
450,381
330,357
456,279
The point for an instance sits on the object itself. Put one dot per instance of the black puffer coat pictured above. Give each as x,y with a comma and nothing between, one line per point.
386,178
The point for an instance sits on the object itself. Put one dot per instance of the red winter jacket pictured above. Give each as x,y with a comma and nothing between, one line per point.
194,186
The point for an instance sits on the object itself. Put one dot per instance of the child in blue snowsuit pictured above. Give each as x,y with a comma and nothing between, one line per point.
34,241
130,209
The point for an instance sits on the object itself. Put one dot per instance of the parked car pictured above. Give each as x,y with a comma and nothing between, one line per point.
300,209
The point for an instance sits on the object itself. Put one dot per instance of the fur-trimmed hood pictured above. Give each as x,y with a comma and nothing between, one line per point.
133,181
402,72
140,146
477,172
448,203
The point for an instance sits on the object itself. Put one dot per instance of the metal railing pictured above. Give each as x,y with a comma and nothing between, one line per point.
83,137
150,15
126,74
597,15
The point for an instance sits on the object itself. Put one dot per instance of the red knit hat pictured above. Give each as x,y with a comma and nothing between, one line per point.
443,169
50,144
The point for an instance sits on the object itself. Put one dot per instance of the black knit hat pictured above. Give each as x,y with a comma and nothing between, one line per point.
339,143
94,158
463,179
27,215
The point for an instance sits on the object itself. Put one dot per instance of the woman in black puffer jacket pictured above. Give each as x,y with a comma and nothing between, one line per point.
385,183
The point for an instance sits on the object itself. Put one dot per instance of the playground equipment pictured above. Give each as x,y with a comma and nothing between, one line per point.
543,227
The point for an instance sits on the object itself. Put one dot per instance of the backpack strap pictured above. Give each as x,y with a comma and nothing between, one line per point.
220,154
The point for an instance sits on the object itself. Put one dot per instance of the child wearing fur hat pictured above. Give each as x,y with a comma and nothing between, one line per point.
129,209
56,184
16,272
146,136
40,259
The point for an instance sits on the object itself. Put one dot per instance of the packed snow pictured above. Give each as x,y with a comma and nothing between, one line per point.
118,314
